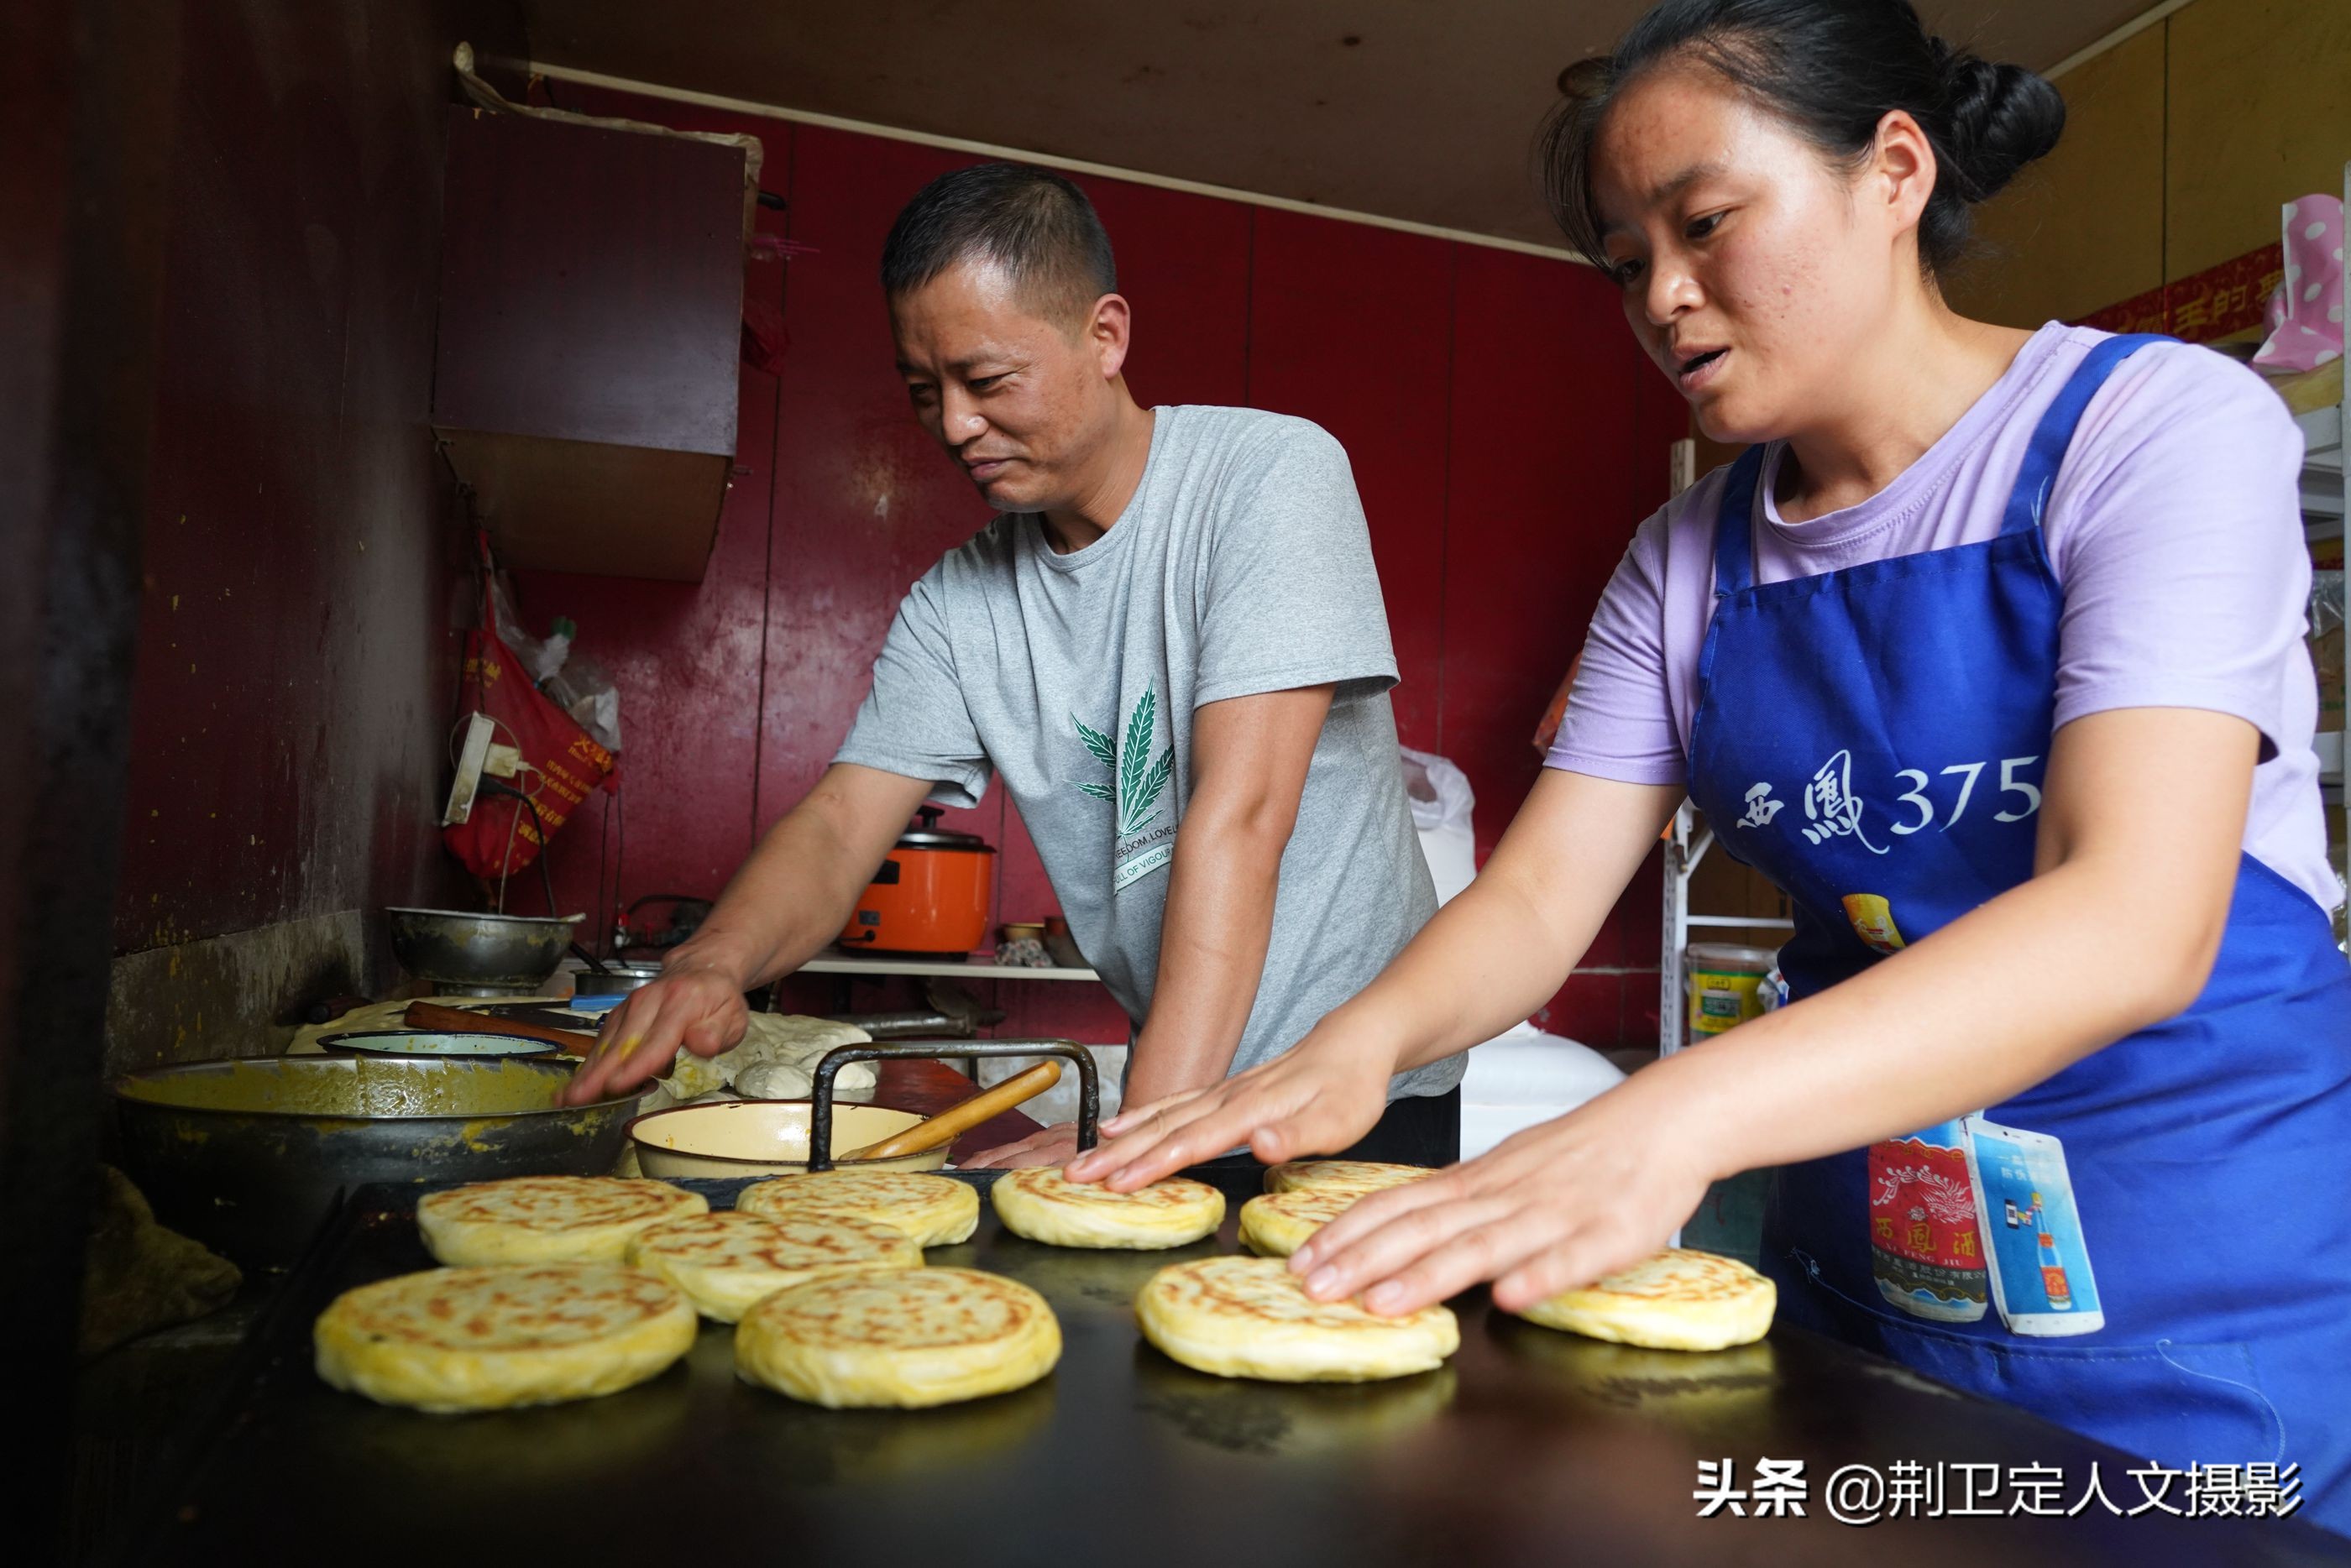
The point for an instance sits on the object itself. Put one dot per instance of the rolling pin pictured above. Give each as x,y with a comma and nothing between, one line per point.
961,1117
436,1019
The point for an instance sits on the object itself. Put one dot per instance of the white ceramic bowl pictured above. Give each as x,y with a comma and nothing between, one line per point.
423,1043
765,1137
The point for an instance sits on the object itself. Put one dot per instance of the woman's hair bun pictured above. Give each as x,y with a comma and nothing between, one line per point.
1586,78
1832,69
1999,119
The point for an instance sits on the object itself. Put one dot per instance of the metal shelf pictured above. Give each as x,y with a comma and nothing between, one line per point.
2326,501
2321,464
1686,845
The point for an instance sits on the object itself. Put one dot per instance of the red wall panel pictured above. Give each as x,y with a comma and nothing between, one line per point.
1183,266
685,657
295,659
1549,479
1540,506
1349,328
865,501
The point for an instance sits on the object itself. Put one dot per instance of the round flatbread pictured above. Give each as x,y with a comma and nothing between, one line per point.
905,1337
484,1339
546,1219
1676,1300
1248,1317
1046,1206
726,1262
1276,1224
1356,1175
931,1211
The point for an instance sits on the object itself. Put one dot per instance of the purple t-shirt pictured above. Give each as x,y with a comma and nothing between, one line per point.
2175,527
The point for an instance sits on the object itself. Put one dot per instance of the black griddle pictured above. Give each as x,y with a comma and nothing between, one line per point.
1529,1447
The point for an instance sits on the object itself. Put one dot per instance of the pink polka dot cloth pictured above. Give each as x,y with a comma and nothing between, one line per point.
2305,314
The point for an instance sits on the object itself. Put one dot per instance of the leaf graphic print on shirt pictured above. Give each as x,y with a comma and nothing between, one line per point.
1105,753
1139,781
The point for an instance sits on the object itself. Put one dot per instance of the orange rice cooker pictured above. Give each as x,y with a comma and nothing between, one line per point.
931,895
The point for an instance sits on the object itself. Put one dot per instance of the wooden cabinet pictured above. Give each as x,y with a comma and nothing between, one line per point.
592,306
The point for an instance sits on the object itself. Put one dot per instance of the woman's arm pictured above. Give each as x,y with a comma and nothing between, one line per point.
1489,959
2135,863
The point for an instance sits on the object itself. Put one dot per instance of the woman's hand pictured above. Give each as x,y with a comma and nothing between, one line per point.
1550,1208
1321,1097
697,1006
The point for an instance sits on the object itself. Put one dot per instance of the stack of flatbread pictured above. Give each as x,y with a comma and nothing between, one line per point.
1305,1195
931,1211
1276,1224
726,1262
822,1274
483,1339
1678,1299
547,1218
1250,1317
1043,1205
1355,1175
906,1337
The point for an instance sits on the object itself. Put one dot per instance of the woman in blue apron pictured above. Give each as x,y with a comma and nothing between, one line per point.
1988,653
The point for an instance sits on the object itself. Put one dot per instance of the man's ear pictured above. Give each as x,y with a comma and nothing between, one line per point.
1106,330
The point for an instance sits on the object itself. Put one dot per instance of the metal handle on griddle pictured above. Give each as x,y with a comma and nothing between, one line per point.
821,1089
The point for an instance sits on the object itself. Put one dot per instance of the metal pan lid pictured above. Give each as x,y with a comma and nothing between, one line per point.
931,835
970,843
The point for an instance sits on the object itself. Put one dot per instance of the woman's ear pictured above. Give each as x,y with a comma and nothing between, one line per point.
1899,178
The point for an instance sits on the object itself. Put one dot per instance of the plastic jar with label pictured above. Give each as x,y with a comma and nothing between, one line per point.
1726,984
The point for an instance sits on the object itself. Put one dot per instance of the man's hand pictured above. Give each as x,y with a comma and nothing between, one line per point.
698,1009
784,905
1052,1146
1319,1098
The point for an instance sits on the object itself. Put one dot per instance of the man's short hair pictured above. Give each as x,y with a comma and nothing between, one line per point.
1033,223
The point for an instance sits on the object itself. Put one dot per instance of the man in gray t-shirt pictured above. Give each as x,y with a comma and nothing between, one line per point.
1170,647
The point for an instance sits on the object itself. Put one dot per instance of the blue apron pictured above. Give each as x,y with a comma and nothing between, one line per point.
1873,739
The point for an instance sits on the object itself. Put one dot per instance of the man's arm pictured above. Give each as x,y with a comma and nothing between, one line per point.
1249,757
789,899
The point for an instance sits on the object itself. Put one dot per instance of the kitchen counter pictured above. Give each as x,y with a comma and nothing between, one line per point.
1529,1447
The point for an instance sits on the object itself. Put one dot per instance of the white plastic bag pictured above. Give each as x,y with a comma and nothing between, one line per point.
1441,803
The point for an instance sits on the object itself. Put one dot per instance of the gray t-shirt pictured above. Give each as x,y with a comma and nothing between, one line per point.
1241,565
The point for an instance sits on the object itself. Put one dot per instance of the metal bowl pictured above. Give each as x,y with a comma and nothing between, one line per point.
766,1137
460,953
251,1156
617,980
421,1043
